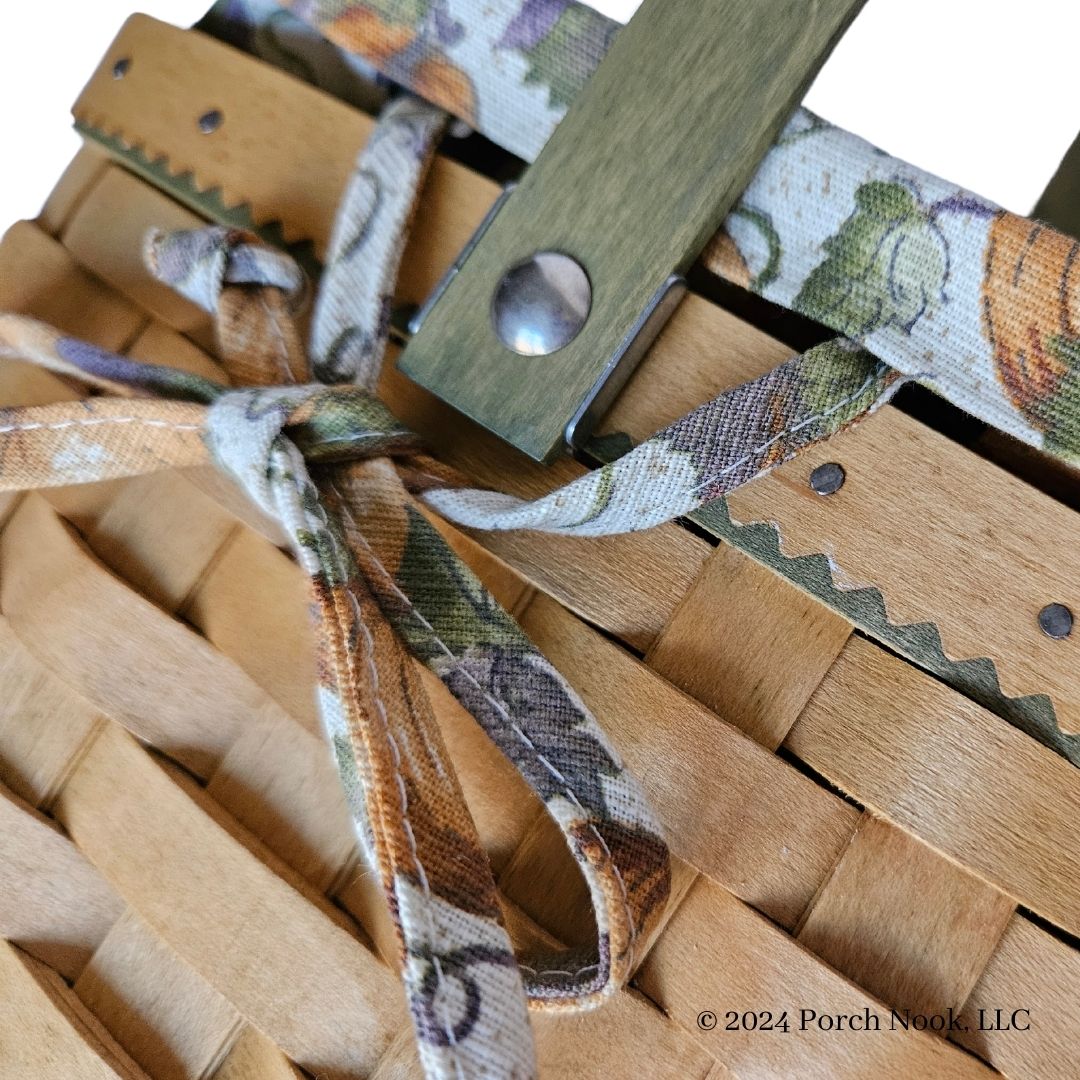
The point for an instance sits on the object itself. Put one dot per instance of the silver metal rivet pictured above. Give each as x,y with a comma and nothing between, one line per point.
121,67
828,478
1056,621
541,304
210,121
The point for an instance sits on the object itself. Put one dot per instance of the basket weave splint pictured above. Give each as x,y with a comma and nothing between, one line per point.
855,716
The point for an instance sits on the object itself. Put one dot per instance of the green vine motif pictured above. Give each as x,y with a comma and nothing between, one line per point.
816,126
887,266
401,12
763,223
455,607
1061,408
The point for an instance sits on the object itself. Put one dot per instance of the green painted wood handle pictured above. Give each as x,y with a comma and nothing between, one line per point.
634,181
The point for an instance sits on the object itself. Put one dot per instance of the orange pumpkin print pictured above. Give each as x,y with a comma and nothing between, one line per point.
361,30
440,81
1031,305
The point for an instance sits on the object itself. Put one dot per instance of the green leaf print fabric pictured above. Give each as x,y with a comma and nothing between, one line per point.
943,286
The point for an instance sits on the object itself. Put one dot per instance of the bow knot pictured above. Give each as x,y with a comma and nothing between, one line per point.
324,423
199,263
387,591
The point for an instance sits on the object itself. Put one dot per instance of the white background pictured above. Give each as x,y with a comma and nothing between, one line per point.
982,92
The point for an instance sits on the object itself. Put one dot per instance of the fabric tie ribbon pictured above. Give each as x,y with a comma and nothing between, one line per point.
944,287
387,589
304,434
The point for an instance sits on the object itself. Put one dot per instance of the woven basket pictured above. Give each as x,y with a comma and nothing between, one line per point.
853,836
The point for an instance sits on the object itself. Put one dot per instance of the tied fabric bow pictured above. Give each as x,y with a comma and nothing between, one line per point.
979,304
313,454
304,434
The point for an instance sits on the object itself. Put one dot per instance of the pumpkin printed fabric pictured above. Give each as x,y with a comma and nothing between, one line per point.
721,445
976,303
340,474
924,280
386,588
509,68
500,66
942,285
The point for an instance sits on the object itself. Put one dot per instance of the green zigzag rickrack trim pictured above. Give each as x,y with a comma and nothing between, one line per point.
975,678
209,203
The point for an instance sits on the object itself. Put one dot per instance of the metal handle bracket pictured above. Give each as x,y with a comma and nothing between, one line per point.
622,199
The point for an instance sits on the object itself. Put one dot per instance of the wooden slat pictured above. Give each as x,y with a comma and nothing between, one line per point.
268,771
261,751
254,1057
320,994
951,773
749,645
275,114
46,1034
1029,971
719,956
226,493
177,692
912,928
53,903
734,811
633,589
1000,549
161,531
158,97
159,344
623,1038
264,767
173,1023
108,227
1042,470
39,278
251,603
617,1041
702,351
80,175
542,879
628,584
278,779
43,724
86,626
